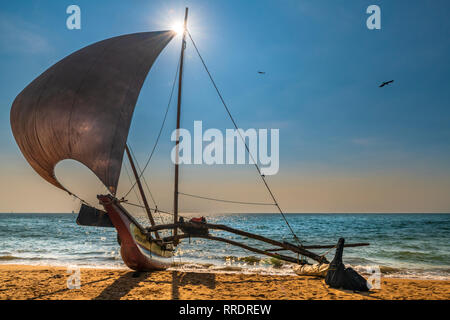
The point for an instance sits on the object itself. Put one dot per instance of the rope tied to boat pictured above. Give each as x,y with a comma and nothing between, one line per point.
328,251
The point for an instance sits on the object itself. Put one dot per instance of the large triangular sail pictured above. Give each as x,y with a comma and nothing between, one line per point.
81,107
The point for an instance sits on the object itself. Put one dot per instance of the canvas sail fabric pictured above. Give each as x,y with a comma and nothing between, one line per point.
81,107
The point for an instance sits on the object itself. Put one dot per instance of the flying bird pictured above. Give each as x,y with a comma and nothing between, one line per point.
386,83
261,72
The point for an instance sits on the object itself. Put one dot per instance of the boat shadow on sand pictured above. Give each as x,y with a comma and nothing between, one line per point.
364,295
127,282
182,279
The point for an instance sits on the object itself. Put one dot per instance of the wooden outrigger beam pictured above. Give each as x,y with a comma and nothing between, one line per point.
237,244
285,245
331,246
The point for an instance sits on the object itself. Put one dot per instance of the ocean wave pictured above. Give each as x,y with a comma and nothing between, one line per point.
245,259
286,268
8,258
404,272
415,256
11,257
255,261
235,269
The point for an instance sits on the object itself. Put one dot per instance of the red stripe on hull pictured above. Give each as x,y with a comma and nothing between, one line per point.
134,257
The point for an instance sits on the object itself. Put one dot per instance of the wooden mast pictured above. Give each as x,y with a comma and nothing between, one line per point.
180,80
141,190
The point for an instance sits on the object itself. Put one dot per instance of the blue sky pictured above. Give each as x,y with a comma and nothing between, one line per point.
323,67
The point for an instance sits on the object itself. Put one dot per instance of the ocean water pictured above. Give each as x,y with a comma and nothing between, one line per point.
401,245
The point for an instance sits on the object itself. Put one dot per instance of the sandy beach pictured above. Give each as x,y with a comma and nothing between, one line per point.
42,283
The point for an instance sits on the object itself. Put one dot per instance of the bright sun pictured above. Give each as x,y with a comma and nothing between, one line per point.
178,28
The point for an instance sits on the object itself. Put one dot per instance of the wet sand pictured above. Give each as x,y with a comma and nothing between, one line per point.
39,282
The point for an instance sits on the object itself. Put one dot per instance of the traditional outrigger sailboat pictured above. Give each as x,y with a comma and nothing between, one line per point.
81,109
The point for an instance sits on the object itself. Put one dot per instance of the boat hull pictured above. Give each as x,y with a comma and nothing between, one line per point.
137,252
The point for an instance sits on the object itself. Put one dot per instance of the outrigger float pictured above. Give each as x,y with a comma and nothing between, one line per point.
81,109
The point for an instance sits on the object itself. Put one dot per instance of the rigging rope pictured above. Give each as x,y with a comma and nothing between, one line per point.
81,200
243,140
131,181
228,201
146,184
327,251
140,174
160,130
141,206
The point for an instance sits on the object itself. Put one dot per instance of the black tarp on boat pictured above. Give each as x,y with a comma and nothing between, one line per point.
339,276
93,217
